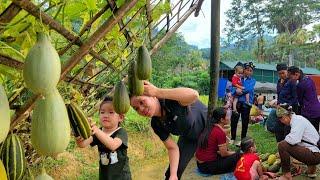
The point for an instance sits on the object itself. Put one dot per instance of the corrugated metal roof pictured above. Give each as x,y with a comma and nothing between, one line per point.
229,65
308,70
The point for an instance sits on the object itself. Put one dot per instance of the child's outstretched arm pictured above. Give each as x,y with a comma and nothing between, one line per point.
83,142
185,96
174,155
109,142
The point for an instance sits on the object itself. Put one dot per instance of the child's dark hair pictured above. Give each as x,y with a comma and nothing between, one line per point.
107,99
246,144
217,115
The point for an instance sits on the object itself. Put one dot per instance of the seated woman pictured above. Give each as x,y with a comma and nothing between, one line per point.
300,143
212,154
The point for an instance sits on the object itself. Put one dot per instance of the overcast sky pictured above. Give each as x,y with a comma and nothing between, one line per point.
196,30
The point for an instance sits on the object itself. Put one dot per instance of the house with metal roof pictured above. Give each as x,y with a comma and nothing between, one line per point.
262,72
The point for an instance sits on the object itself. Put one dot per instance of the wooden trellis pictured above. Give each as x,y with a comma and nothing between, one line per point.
180,11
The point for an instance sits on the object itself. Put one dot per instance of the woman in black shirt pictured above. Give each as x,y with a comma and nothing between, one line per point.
176,111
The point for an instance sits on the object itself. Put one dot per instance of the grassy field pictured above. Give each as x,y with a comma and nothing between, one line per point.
148,157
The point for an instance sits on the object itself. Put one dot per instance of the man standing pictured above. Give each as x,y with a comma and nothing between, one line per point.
243,108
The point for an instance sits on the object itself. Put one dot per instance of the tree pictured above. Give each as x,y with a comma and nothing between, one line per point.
247,19
289,16
258,17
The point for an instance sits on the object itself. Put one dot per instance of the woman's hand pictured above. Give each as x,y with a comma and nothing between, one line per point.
173,177
150,89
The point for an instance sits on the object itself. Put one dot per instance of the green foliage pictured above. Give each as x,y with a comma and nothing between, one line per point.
51,163
72,145
204,99
301,44
19,35
178,64
237,55
290,15
136,123
247,19
264,140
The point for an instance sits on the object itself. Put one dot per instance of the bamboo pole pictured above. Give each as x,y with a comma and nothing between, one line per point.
8,14
149,18
172,30
10,62
214,56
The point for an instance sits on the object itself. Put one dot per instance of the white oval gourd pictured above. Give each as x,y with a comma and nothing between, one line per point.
50,127
42,67
4,114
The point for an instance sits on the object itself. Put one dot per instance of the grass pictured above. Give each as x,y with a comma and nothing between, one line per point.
264,140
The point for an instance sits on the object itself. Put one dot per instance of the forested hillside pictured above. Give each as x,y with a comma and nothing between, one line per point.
180,64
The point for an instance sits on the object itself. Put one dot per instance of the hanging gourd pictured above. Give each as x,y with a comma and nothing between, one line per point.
121,100
13,158
4,114
144,66
42,66
136,87
50,127
3,174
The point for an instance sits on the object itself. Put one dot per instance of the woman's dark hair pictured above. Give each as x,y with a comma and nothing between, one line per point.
246,144
107,99
217,115
282,66
294,69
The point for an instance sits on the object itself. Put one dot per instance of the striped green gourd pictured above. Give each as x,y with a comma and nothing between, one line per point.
43,175
4,114
136,87
144,66
42,66
50,128
13,158
121,100
3,173
78,121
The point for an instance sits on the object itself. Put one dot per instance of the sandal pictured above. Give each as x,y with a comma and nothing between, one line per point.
312,175
296,171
